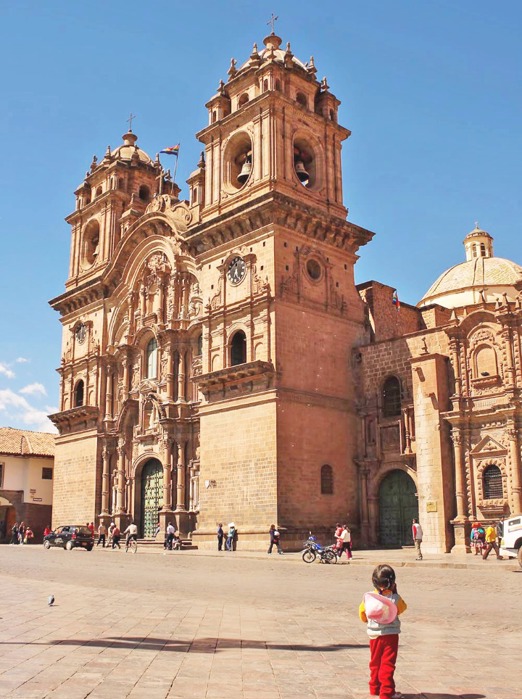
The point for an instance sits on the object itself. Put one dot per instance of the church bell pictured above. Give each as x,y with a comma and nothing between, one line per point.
301,170
245,170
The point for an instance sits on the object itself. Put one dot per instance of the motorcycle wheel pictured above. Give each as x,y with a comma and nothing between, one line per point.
330,557
309,556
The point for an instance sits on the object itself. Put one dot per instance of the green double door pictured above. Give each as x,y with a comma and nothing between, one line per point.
151,496
398,505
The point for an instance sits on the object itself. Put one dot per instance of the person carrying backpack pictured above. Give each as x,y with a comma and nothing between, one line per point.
477,538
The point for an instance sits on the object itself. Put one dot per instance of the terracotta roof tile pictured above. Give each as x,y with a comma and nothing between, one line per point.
25,442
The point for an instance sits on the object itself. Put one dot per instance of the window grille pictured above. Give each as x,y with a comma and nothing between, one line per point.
492,483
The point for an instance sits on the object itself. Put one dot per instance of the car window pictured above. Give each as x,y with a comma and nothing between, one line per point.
84,531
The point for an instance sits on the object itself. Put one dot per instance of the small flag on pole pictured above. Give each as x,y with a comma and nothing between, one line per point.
171,150
395,301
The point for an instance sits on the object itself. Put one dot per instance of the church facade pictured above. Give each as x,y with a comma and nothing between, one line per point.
220,364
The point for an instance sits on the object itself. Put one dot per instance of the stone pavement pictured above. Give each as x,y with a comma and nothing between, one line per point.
250,626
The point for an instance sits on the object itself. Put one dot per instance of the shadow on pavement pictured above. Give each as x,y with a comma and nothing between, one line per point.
199,645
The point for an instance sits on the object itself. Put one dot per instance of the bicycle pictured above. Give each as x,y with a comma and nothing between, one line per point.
131,544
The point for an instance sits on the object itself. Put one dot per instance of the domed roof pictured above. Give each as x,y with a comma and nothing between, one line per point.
481,279
273,52
129,149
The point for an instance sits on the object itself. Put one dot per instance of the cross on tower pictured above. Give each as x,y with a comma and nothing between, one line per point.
272,21
129,120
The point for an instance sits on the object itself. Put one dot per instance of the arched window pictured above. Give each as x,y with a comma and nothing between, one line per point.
99,191
492,483
78,394
300,98
265,85
327,480
485,361
152,359
243,99
144,193
200,344
238,349
391,397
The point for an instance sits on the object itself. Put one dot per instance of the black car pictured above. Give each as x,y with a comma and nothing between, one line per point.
69,537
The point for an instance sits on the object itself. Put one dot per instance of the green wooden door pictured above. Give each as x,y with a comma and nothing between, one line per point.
398,505
151,496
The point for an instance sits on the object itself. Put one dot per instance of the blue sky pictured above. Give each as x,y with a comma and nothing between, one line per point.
431,91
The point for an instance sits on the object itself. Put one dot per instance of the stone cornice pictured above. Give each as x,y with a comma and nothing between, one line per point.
279,210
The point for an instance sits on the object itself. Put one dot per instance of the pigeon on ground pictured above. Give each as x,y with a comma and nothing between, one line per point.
50,601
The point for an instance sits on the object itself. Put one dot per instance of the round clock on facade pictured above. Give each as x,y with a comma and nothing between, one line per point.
236,270
81,333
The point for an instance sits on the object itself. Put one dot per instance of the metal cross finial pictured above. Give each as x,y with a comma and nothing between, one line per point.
129,120
272,21
476,224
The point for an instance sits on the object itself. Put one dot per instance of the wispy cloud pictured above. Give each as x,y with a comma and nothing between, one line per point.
22,360
34,389
4,369
15,410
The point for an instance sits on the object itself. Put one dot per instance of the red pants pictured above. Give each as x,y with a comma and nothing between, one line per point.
383,656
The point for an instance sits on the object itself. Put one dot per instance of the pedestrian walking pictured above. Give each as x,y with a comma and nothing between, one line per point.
21,533
229,546
491,542
477,538
102,533
28,535
416,532
14,534
220,536
346,543
338,538
380,610
275,537
116,536
169,536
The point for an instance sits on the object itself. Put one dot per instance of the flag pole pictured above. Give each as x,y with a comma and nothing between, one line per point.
176,166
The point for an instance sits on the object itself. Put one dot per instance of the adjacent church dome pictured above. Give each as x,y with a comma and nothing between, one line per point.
129,150
483,278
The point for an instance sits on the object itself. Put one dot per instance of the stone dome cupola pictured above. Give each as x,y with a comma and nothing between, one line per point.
482,278
478,243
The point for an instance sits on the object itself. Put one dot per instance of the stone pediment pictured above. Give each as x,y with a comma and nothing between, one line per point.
488,447
177,212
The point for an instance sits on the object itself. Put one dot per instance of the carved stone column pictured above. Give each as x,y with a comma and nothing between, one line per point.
181,374
105,483
167,481
516,476
363,474
109,373
120,482
180,485
460,523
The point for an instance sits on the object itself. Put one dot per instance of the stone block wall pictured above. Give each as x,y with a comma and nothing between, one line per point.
74,495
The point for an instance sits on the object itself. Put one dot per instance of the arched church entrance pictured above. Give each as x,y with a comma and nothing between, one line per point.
151,496
398,505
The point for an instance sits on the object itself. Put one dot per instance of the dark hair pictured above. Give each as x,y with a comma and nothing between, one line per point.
383,577
415,521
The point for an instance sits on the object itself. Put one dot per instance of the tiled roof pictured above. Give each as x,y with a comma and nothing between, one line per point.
26,443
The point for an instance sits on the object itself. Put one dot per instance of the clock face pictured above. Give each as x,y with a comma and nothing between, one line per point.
236,270
81,332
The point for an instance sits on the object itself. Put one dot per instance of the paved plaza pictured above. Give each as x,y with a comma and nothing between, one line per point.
250,626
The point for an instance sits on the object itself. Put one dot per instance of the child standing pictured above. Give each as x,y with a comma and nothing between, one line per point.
380,609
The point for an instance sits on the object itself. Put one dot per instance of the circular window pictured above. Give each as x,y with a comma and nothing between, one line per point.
314,269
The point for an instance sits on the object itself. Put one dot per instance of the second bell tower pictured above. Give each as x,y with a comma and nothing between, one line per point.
276,257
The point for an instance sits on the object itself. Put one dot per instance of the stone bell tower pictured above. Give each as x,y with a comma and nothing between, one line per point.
282,313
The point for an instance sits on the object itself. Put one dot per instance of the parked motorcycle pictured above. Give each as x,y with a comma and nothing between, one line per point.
312,549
